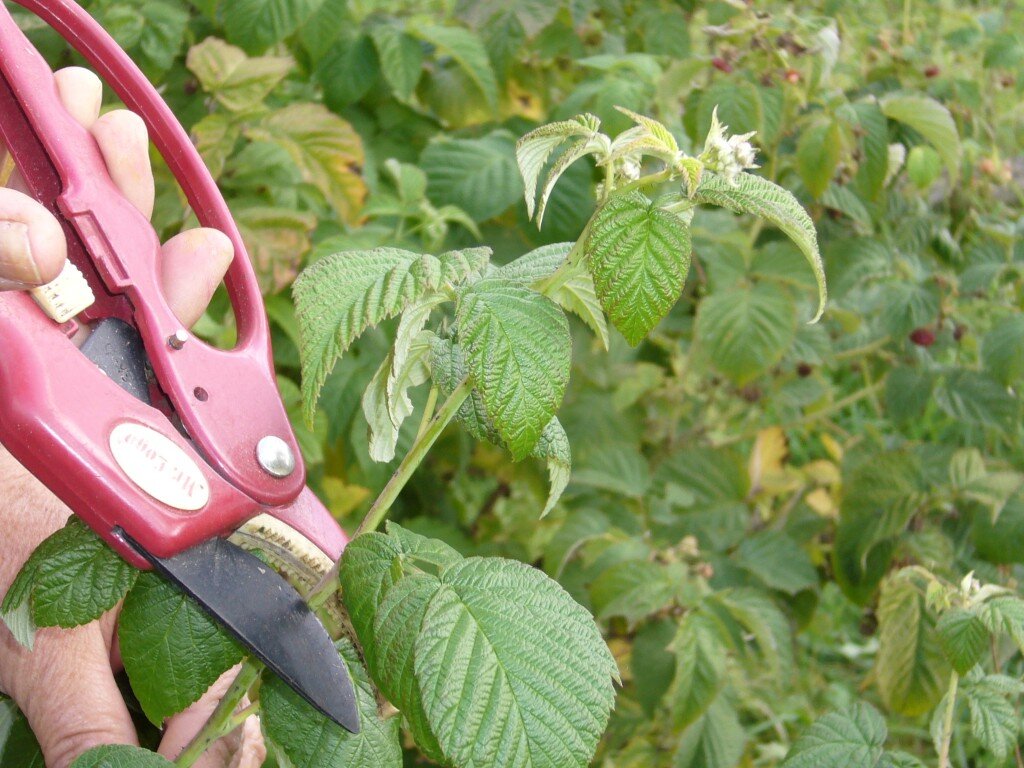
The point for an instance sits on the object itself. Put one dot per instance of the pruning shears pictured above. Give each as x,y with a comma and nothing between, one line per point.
162,444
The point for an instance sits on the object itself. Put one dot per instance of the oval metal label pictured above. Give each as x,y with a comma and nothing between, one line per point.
159,467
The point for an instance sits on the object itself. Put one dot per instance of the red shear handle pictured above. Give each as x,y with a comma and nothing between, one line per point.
228,401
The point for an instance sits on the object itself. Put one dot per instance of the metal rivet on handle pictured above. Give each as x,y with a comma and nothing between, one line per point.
275,456
177,339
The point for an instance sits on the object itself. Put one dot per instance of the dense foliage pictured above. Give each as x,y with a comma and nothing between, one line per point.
801,542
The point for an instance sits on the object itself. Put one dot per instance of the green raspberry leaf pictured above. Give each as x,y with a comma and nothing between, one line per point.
930,119
258,24
448,365
172,650
840,740
121,756
401,59
343,294
910,668
518,354
534,149
576,295
397,624
764,199
700,668
962,637
639,256
371,566
747,329
467,50
309,739
18,745
386,402
994,720
72,578
512,672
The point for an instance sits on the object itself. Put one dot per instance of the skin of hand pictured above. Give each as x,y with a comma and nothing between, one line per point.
66,685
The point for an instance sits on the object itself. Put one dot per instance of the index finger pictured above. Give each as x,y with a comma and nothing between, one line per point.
32,246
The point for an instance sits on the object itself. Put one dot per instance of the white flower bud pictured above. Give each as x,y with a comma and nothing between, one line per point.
630,169
727,155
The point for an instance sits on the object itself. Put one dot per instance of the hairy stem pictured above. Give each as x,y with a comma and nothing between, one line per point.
223,720
946,737
382,505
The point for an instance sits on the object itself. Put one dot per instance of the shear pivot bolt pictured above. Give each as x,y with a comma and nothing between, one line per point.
177,339
275,456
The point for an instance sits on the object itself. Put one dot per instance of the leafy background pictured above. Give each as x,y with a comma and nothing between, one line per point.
769,519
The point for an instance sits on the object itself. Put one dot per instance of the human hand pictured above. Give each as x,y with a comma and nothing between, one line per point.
66,685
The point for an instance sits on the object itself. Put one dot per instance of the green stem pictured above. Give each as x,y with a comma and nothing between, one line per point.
647,181
866,349
428,411
382,505
947,721
223,720
560,276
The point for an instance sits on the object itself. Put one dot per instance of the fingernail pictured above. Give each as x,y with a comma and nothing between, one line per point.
17,267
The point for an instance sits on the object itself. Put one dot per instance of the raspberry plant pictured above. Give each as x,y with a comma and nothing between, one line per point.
487,660
770,521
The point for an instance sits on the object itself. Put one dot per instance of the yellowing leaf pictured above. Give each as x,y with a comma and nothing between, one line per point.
215,136
822,472
343,498
821,501
277,239
832,447
766,459
327,151
239,83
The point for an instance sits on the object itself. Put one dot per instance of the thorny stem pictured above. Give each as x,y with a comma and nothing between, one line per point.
223,720
382,505
947,721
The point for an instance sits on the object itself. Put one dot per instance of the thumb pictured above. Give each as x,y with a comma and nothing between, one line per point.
32,247
67,692
242,748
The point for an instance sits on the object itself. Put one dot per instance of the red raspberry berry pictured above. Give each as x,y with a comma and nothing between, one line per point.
792,76
721,64
923,337
931,71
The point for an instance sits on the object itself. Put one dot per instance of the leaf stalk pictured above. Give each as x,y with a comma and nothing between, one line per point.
330,583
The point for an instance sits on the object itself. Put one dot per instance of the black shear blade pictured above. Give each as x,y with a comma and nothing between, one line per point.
268,617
